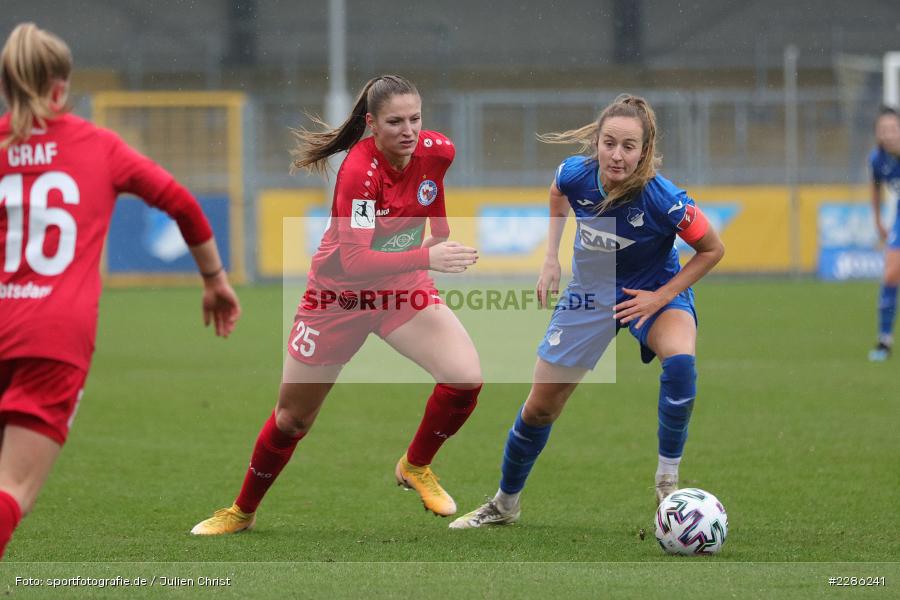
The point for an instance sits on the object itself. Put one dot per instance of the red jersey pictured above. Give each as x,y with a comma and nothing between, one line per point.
57,192
374,238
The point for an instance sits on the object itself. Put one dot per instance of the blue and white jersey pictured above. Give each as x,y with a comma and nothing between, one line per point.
886,169
635,240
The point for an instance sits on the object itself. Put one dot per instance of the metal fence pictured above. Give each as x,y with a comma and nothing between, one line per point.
706,137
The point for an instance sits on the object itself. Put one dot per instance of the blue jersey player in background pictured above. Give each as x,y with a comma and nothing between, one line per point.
885,163
626,274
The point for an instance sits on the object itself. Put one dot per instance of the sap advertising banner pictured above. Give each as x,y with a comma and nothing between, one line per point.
144,240
511,230
848,243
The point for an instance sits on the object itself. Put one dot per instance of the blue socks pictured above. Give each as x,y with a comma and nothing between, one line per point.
677,390
887,310
523,446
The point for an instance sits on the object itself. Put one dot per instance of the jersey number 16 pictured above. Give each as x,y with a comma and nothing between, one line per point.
40,219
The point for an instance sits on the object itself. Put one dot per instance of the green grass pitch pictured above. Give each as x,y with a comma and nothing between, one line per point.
793,430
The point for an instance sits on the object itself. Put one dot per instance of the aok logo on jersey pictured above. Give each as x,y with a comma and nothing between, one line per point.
601,241
400,241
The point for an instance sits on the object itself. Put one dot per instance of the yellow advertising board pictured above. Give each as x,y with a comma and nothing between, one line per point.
754,223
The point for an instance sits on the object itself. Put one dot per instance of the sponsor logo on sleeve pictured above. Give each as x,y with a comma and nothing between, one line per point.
363,214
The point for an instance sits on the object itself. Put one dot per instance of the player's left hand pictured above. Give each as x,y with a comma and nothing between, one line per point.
220,305
643,305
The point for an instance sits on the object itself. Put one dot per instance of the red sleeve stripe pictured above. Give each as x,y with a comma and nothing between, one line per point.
693,225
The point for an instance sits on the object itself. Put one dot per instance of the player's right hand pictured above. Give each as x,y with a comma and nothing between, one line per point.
548,282
451,257
220,304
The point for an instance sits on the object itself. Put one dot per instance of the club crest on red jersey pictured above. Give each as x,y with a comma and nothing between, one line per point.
428,191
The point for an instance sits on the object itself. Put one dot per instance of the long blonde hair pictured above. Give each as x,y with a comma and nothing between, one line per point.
31,61
315,147
625,105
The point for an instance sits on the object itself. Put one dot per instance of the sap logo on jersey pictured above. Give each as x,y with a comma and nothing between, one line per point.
363,214
428,191
601,241
24,155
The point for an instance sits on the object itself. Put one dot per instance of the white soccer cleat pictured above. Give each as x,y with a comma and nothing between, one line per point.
665,485
488,513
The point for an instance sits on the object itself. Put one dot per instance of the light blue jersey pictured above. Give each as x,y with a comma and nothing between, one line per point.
632,246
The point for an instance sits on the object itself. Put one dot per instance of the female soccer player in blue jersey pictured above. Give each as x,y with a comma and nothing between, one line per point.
885,163
627,217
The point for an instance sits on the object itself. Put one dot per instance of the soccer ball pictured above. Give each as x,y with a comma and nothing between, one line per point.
691,521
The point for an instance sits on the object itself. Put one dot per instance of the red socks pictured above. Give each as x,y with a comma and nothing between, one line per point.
446,411
272,452
10,515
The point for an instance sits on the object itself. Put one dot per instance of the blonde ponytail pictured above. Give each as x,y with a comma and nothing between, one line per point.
31,62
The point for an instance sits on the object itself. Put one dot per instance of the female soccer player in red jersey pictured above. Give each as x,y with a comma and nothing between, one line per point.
59,178
370,275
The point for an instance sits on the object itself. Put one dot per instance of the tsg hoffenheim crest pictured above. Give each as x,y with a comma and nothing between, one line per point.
427,193
635,217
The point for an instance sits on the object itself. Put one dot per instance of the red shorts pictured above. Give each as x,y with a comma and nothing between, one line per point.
329,329
40,394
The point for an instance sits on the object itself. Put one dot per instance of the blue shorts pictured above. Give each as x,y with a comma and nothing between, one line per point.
580,330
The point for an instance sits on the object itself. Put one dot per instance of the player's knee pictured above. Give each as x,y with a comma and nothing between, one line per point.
463,376
679,375
540,414
471,383
680,367
293,423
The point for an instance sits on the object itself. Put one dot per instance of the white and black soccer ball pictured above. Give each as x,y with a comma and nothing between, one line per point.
691,521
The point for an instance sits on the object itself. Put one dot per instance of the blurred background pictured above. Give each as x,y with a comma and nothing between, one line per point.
765,109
